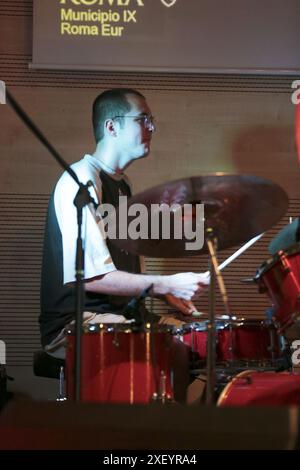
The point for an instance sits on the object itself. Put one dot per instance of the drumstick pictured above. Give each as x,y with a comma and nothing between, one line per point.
230,259
237,253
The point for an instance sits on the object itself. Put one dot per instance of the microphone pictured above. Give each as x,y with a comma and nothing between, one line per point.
131,310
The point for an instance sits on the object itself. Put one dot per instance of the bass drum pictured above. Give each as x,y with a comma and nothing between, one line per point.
261,388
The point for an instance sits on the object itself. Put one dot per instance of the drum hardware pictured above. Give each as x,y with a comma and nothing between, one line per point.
157,381
162,396
162,386
61,395
215,274
248,280
284,262
115,340
211,336
5,395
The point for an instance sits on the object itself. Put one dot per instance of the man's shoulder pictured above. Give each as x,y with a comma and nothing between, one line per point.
85,170
86,166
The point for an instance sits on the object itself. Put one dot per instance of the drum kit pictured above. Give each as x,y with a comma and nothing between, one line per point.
240,358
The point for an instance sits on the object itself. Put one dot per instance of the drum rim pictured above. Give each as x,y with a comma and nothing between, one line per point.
268,264
228,387
94,328
224,324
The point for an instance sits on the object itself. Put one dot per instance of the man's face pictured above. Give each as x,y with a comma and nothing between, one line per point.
134,134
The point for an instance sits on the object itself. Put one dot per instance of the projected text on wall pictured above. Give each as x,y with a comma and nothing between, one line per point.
98,17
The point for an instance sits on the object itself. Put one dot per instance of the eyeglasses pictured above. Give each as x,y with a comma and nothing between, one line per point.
145,120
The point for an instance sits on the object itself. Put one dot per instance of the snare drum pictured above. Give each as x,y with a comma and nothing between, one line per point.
261,388
245,342
280,278
121,364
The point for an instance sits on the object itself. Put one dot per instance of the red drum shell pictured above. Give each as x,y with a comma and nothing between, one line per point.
245,341
261,388
280,278
251,341
120,365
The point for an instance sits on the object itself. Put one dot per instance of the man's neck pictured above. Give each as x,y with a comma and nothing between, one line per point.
108,158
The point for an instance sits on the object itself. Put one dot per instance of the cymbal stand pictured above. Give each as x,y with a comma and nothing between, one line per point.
211,337
215,274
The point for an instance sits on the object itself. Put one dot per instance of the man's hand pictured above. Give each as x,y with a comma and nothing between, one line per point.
186,307
184,286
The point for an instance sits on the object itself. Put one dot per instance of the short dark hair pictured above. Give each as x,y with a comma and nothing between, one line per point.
108,104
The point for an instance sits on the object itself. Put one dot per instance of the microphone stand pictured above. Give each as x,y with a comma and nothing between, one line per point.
132,311
82,199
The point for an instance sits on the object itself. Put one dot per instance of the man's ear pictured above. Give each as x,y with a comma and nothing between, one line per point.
110,127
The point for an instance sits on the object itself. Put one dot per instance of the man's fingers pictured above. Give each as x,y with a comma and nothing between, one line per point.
189,305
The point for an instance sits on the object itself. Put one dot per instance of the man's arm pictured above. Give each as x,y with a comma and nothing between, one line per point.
183,285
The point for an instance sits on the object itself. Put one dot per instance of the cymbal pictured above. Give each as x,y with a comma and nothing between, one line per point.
236,208
288,236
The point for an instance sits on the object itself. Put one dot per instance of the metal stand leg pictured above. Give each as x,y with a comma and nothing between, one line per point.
211,343
211,335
